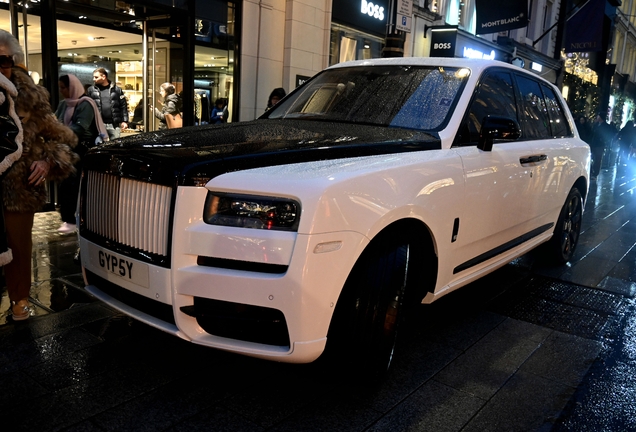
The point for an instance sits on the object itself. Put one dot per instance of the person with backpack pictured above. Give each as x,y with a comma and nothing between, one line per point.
80,113
171,105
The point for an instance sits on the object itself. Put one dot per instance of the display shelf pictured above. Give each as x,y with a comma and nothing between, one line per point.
129,77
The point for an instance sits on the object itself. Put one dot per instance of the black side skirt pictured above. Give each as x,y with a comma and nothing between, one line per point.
503,248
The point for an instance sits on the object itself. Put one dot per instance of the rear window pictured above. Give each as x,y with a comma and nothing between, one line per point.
558,122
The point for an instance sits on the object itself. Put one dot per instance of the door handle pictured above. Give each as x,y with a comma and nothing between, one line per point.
532,159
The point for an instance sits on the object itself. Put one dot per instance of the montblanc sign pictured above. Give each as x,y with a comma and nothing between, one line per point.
502,22
494,16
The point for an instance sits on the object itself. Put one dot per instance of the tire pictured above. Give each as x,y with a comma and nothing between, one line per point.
560,248
364,329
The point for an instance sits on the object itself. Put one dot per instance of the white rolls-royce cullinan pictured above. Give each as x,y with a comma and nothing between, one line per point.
374,186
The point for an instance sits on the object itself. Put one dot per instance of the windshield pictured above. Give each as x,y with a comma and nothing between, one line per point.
398,96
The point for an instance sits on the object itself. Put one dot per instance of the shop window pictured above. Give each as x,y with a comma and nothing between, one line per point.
348,44
348,49
461,13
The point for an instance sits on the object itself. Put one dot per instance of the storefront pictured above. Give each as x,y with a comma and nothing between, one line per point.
450,41
358,29
534,61
188,43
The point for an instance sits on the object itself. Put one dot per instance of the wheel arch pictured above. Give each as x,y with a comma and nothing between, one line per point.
582,185
422,277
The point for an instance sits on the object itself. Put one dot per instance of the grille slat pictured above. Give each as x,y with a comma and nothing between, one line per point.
112,186
133,213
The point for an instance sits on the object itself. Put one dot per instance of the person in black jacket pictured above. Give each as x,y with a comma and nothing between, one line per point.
585,129
602,135
626,139
111,102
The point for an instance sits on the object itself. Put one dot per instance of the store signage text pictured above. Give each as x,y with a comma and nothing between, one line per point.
502,22
301,79
476,54
442,46
373,10
367,16
443,42
585,46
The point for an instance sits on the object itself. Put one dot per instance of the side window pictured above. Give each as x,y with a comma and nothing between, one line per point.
534,116
558,121
495,96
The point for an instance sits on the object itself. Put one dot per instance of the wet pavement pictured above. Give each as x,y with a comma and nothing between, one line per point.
529,347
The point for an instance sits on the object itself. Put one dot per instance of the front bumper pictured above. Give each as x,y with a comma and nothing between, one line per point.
298,302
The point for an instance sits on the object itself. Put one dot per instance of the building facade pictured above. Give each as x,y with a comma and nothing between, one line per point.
239,51
623,55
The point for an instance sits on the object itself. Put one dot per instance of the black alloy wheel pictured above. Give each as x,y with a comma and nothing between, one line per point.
364,329
568,228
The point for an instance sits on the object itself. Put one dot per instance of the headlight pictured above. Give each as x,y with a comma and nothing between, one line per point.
248,211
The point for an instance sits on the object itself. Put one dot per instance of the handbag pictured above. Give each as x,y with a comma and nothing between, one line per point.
173,121
8,133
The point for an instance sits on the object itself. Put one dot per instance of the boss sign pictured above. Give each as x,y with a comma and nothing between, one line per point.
372,10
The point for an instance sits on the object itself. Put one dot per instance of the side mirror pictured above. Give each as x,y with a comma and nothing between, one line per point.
493,128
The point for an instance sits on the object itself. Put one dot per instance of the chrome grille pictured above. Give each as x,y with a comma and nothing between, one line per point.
130,212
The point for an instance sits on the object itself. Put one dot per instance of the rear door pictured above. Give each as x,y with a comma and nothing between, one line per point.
551,141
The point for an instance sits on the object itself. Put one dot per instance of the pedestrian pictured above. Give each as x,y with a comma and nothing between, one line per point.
46,156
602,136
585,129
276,95
10,145
626,139
80,113
219,112
111,102
171,104
138,115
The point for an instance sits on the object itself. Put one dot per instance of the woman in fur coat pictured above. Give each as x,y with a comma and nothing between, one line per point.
46,156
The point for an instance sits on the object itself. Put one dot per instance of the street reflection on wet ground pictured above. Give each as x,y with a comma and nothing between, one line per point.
57,282
528,347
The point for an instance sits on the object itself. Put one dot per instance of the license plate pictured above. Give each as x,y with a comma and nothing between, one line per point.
118,265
